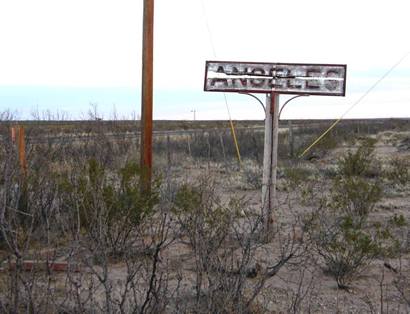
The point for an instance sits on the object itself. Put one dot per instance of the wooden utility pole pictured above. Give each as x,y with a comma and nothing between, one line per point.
147,94
270,161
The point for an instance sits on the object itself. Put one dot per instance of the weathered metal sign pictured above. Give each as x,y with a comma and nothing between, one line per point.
283,78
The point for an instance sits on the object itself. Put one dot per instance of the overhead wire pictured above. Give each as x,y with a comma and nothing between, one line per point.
232,127
372,87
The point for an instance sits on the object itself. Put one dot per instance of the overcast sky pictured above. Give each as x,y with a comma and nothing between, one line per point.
52,49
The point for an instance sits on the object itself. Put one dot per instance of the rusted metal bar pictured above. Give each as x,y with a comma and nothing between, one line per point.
289,100
31,265
147,94
253,96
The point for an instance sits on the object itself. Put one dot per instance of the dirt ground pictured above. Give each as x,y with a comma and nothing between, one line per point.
372,290
298,287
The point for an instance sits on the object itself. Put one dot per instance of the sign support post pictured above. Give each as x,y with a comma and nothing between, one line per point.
270,161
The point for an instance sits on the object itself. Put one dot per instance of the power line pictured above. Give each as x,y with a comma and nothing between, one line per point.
355,104
208,28
205,16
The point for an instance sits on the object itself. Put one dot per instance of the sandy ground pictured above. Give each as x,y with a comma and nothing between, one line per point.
371,291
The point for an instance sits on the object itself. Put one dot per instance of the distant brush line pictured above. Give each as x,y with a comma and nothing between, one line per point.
127,135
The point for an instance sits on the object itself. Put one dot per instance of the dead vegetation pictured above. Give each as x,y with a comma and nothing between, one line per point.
77,235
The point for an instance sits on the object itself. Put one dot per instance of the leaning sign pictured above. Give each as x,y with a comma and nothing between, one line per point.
283,78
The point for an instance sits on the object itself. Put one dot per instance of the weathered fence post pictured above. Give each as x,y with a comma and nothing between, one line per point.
209,150
22,151
169,164
223,147
189,145
291,139
13,134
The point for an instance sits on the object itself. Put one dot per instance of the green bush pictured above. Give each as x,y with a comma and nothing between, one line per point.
296,176
107,205
347,244
353,192
339,229
398,171
355,196
197,207
360,163
344,246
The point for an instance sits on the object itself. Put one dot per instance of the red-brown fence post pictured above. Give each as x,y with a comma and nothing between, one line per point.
22,151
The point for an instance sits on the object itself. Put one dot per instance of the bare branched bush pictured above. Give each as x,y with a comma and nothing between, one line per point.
252,175
78,236
402,285
83,218
28,220
225,240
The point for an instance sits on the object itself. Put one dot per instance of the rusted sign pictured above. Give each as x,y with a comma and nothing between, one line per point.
283,78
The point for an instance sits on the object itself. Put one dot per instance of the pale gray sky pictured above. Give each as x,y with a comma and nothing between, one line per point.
97,43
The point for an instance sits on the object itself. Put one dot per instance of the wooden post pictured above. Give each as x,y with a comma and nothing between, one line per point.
147,94
209,150
291,139
13,134
22,151
270,161
223,147
169,154
169,164
189,145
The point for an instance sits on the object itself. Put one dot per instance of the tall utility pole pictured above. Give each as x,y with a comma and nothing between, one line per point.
147,94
